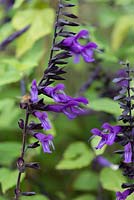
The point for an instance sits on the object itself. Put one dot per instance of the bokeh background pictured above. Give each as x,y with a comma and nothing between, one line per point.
73,171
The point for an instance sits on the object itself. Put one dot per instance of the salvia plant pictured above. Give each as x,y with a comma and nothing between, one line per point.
122,134
65,44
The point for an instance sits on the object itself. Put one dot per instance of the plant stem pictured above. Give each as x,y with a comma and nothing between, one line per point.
54,36
17,190
55,32
130,113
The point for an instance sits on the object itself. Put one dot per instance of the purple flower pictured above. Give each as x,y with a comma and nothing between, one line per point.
46,141
86,51
122,74
34,92
71,108
107,135
57,93
123,195
128,153
42,116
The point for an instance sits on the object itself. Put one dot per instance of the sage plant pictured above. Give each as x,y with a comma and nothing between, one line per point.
124,133
65,44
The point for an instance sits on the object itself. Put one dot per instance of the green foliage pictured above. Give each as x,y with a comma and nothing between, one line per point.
85,197
40,197
111,179
83,181
105,105
18,3
8,178
131,197
9,75
10,150
6,119
120,31
76,156
40,25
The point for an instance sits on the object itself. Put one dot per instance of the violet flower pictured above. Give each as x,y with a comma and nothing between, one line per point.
34,92
107,135
42,116
46,141
123,195
76,49
57,93
71,108
128,153
122,74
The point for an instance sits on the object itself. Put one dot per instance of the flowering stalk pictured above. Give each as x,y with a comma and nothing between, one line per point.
124,134
62,103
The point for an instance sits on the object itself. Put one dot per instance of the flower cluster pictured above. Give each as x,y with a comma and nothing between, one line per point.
62,104
77,50
108,134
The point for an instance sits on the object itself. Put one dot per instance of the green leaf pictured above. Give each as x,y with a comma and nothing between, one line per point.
40,21
21,67
76,156
6,119
8,178
39,197
9,75
2,198
85,197
120,31
83,181
94,143
131,197
10,150
105,105
111,179
18,3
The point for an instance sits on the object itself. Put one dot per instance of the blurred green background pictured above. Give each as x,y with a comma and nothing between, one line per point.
70,172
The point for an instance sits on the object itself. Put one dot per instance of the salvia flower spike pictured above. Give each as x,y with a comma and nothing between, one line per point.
124,134
62,103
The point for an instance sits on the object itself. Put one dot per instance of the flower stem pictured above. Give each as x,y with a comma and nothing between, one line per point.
54,36
17,190
55,31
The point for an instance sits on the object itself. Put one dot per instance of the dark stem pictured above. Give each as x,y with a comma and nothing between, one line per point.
130,112
54,35
55,31
17,190
129,96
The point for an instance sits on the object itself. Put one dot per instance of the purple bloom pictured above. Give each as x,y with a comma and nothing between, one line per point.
107,135
86,51
122,74
71,108
123,195
46,141
34,92
42,116
57,93
128,153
